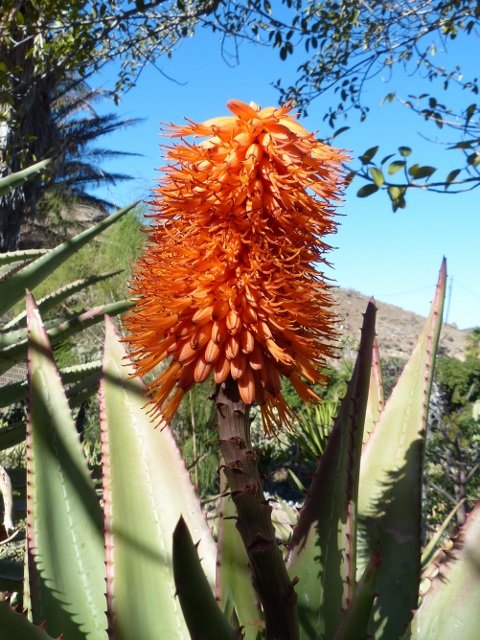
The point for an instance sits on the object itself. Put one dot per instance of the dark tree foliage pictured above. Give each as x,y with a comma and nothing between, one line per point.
343,44
453,449
340,44
48,50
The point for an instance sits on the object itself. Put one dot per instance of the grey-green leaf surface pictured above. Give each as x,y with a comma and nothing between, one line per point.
65,529
355,619
391,484
323,549
146,490
450,607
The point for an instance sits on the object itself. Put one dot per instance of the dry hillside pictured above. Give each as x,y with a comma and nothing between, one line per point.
397,329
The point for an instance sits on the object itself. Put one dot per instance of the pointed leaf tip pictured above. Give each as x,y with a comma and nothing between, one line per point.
390,481
68,586
145,481
200,609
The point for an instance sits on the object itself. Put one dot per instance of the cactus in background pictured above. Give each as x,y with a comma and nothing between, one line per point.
339,557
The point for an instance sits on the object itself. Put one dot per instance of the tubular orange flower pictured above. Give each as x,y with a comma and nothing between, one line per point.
229,284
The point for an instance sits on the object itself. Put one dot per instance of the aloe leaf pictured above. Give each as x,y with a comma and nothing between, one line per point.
48,302
235,589
202,614
375,402
23,255
450,607
433,547
16,391
64,517
14,433
15,626
15,179
355,620
323,551
57,331
146,490
391,483
12,289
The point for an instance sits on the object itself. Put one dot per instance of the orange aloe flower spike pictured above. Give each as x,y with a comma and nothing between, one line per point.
230,283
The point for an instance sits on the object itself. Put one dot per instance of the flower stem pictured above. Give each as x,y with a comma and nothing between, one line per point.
254,523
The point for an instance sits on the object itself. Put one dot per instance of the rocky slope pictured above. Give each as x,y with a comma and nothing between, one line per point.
397,329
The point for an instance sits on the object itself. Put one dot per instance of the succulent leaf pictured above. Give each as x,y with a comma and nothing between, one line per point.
323,552
449,609
375,402
64,517
16,391
355,620
433,547
202,613
22,255
19,177
146,490
391,481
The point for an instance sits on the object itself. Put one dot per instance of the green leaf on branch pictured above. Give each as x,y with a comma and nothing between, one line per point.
339,131
474,159
418,172
387,158
367,190
394,167
404,151
368,155
397,196
452,176
377,176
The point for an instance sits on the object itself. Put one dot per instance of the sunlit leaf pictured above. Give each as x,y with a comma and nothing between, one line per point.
377,176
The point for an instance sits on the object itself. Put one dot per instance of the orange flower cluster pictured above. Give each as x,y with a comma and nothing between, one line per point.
229,284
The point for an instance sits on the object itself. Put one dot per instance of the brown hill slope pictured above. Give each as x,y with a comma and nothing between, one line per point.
397,329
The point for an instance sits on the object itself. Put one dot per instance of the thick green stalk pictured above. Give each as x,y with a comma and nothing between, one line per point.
271,579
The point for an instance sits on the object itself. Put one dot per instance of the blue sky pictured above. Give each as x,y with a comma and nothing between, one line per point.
392,256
